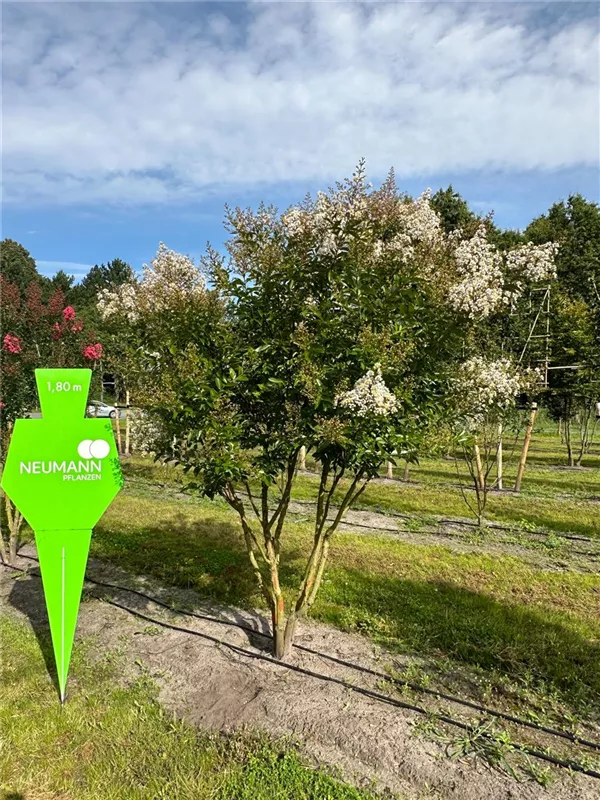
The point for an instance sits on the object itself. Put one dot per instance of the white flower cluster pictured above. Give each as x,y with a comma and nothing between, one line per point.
146,430
295,222
479,291
533,262
421,221
370,396
482,386
170,277
420,225
327,219
401,245
121,301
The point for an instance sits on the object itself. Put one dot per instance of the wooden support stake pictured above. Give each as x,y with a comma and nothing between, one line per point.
302,464
127,424
499,454
480,473
525,449
118,426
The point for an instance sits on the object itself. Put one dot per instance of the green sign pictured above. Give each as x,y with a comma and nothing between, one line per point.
62,472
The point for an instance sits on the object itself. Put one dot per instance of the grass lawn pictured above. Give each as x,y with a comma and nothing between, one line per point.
111,743
526,627
494,628
553,497
521,629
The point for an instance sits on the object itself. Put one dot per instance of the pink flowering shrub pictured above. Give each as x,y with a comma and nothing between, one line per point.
68,314
93,352
12,343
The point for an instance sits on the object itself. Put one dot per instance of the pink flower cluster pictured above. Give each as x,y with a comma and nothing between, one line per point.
93,352
69,322
12,343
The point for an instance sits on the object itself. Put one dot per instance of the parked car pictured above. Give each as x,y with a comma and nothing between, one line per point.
97,408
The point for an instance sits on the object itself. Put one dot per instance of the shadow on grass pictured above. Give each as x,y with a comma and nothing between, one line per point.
443,620
207,555
27,596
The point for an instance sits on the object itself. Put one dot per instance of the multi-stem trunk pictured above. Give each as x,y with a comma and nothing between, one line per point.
263,548
586,435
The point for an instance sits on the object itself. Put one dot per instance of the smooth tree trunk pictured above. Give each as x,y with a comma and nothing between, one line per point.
480,485
406,475
586,435
390,471
525,450
479,466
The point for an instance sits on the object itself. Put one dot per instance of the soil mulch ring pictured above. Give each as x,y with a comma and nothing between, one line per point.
225,680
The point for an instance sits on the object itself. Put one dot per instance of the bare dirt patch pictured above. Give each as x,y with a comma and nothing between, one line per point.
580,554
218,688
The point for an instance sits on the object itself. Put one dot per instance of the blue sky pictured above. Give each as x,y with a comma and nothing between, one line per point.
126,124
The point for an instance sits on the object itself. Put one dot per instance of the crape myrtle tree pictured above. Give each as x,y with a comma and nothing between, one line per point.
484,399
334,327
491,290
34,334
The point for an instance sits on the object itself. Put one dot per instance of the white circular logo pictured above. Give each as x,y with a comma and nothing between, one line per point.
89,448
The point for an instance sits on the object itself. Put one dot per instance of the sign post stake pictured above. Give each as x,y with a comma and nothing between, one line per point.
62,472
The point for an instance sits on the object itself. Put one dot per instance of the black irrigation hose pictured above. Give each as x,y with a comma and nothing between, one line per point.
568,764
440,695
441,520
463,523
374,528
530,751
466,523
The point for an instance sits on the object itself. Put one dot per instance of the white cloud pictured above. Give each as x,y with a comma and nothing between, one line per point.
70,267
145,105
